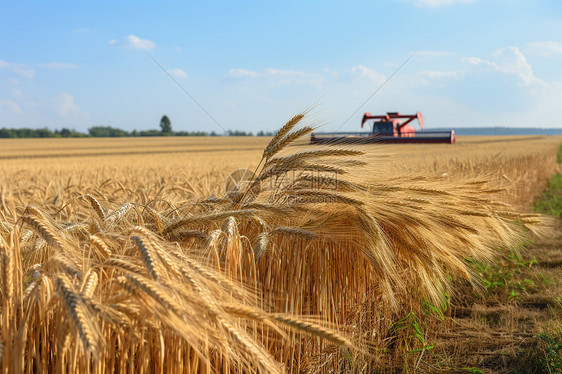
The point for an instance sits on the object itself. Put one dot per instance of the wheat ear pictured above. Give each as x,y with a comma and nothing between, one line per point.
123,265
7,275
147,256
283,142
73,303
90,284
44,231
307,155
313,329
150,289
284,130
262,244
100,245
98,208
208,218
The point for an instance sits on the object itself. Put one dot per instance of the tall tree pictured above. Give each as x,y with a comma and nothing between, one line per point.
166,125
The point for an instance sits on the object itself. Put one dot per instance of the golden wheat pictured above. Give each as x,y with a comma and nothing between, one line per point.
165,276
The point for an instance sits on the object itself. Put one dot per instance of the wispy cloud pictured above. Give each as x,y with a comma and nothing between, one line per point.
11,106
133,42
59,65
20,69
177,73
283,72
242,73
546,49
64,105
438,3
509,60
371,74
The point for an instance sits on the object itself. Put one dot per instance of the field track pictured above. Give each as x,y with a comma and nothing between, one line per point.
501,337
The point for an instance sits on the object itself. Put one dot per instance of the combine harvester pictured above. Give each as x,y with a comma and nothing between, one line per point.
388,128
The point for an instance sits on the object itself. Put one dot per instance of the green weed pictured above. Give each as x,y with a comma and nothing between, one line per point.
415,334
550,202
506,276
552,349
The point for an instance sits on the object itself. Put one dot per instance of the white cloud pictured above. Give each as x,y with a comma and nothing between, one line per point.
365,72
242,73
437,74
546,49
10,105
432,53
334,74
20,69
287,73
133,42
59,65
177,73
438,3
64,105
282,77
509,60
277,76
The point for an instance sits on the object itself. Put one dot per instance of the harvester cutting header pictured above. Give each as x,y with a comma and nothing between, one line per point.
391,127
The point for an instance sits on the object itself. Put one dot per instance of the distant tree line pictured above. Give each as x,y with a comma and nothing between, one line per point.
40,133
112,132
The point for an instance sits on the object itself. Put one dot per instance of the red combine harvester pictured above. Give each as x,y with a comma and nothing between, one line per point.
388,128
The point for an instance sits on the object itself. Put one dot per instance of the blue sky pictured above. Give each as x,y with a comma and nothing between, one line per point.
253,64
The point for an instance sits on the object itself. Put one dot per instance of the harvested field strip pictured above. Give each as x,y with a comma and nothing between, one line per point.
126,153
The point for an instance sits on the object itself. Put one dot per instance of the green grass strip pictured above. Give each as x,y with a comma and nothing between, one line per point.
550,202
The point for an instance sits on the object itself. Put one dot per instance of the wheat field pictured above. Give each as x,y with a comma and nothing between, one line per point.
130,255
